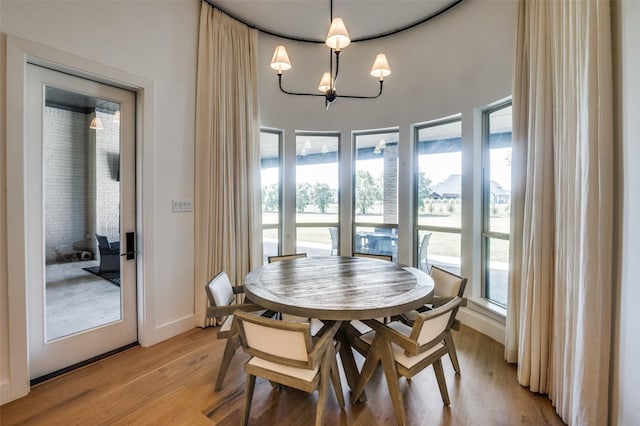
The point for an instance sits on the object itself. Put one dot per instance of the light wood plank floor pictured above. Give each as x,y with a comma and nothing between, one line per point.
172,382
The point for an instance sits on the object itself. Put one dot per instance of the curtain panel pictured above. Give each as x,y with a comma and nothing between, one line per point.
227,168
560,295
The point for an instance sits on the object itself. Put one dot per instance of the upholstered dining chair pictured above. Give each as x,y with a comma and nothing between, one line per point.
373,256
447,286
286,353
222,304
406,351
282,257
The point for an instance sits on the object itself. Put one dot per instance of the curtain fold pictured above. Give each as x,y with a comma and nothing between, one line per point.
559,317
227,180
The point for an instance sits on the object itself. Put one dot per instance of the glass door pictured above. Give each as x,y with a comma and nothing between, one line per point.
81,187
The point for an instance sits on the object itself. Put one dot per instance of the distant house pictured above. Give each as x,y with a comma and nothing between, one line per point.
499,195
451,188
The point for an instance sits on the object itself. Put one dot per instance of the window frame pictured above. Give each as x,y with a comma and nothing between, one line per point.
416,170
279,225
354,223
297,224
486,233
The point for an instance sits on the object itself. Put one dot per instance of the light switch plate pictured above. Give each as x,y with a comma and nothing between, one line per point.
179,206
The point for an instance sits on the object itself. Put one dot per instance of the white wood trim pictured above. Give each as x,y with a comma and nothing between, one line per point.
482,323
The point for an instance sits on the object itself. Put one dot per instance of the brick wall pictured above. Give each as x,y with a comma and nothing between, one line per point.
390,186
81,190
107,155
65,177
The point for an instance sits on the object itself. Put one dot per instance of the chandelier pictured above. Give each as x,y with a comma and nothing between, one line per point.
337,39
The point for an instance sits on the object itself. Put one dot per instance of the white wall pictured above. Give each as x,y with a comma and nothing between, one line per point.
454,64
158,42
626,372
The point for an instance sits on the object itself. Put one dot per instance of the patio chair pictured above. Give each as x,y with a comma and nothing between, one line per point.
109,254
333,231
423,261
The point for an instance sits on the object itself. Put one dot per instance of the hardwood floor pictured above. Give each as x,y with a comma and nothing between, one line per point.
172,383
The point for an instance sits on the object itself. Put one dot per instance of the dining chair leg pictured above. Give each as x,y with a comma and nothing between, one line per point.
442,383
369,367
323,389
335,378
233,342
248,396
391,374
448,340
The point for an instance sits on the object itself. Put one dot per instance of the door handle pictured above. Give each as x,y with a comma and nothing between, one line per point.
130,246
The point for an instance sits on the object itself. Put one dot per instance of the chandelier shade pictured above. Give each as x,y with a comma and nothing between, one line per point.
280,61
380,67
325,82
338,36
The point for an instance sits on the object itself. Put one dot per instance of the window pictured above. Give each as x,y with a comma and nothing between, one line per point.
270,173
317,200
375,193
438,203
496,202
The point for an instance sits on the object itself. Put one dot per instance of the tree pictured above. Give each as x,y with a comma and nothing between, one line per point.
303,196
424,189
368,191
322,196
270,198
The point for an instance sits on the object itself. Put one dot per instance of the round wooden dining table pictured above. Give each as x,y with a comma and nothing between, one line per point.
338,288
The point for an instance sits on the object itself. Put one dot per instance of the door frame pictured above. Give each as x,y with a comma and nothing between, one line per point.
19,52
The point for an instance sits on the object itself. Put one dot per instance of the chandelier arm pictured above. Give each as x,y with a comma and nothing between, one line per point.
362,97
335,78
295,93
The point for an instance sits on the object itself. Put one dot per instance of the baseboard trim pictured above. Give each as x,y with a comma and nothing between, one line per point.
482,324
169,330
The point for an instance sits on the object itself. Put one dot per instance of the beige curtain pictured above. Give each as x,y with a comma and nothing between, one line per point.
227,181
559,317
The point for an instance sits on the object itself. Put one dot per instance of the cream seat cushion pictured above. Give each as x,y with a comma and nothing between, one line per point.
299,373
398,353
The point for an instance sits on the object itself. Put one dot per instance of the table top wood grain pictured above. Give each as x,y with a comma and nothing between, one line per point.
338,288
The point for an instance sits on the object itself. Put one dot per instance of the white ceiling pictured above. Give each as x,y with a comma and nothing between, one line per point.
310,19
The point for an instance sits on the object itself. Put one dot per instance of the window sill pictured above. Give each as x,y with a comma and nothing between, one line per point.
488,308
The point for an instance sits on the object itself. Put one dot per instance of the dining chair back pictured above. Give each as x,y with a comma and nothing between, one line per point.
406,351
223,302
447,286
374,256
280,258
286,353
